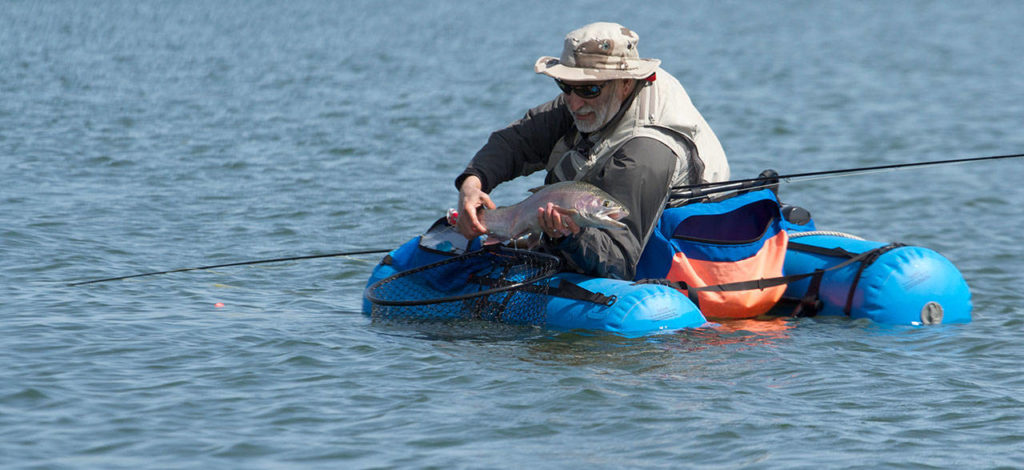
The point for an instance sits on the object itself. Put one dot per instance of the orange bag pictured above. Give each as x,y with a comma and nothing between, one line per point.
705,245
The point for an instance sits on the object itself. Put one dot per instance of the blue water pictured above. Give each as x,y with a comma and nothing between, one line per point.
145,136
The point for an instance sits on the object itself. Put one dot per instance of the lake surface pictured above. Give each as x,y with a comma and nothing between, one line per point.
147,136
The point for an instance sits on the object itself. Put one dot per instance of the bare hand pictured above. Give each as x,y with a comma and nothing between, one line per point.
556,222
471,198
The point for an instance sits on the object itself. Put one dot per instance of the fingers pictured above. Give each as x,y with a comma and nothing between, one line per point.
487,201
477,224
544,222
555,222
471,198
468,223
567,221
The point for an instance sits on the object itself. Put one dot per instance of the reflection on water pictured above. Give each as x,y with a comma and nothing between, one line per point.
762,331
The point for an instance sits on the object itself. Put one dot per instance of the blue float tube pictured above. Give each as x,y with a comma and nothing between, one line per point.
638,309
904,285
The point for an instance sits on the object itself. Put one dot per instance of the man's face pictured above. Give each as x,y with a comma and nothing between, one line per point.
591,114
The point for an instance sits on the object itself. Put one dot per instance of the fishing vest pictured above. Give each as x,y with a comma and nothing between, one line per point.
661,110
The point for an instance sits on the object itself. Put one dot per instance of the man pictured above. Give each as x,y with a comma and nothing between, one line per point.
622,124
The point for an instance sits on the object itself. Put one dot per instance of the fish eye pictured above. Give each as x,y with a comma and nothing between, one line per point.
607,203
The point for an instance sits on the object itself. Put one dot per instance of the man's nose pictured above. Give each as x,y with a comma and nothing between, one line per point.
574,102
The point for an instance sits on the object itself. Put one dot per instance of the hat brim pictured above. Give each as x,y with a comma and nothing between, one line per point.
552,67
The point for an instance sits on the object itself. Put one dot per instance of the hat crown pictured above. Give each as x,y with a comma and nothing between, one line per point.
604,46
598,52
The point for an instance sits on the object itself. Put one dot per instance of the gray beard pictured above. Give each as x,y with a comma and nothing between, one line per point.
601,117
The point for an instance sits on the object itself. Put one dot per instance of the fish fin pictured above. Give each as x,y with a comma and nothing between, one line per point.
523,234
537,189
525,241
533,241
491,241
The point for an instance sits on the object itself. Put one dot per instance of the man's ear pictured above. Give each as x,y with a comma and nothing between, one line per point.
627,87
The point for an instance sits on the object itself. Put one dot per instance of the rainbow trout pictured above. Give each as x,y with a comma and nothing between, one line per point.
588,206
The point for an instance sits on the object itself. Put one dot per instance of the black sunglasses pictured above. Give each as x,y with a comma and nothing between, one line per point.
586,92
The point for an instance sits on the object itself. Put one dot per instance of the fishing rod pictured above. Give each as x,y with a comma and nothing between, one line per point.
241,263
695,191
685,193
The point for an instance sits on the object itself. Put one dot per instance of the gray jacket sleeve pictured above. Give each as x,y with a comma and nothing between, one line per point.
521,148
638,175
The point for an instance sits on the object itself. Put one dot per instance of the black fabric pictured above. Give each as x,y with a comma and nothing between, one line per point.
745,224
521,148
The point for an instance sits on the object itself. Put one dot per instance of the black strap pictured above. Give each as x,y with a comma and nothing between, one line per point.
866,259
810,302
819,250
871,257
677,285
661,282
570,290
564,289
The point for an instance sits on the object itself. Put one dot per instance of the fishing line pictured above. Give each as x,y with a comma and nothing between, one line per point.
241,263
683,193
699,190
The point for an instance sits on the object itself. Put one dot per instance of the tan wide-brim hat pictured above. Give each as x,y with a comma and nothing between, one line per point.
598,52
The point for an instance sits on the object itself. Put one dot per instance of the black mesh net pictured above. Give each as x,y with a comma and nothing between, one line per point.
501,285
